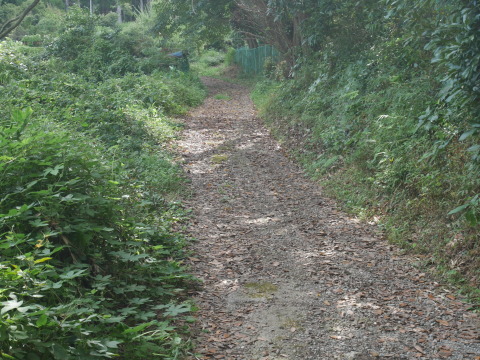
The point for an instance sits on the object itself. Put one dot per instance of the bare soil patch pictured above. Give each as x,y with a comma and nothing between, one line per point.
286,275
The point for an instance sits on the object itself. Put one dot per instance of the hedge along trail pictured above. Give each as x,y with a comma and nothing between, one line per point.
89,261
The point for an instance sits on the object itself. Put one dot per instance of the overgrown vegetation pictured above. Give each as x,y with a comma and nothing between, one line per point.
90,266
381,104
379,100
209,63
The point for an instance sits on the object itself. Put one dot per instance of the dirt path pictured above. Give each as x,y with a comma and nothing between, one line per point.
286,274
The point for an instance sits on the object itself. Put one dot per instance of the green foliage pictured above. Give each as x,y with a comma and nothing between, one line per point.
68,238
199,23
209,63
89,264
388,117
456,53
212,58
230,56
456,50
92,47
89,50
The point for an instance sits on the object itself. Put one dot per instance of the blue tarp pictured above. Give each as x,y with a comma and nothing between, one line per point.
177,54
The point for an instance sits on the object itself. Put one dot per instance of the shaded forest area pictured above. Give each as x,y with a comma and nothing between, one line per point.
379,101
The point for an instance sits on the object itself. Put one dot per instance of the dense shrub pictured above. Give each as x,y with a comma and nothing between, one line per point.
74,249
395,115
88,258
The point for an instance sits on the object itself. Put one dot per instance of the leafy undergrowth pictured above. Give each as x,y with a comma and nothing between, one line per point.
220,65
209,63
356,130
89,265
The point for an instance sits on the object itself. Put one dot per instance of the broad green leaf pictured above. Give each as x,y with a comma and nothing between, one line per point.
112,344
138,328
24,309
114,319
474,148
458,209
467,134
42,320
6,356
54,171
10,305
59,352
73,274
471,217
38,223
174,310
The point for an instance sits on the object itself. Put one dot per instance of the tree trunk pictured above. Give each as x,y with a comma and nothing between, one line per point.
91,7
297,31
142,7
12,24
119,13
252,43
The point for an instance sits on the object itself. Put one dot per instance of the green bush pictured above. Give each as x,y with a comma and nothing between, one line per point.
209,62
88,261
71,251
230,56
366,121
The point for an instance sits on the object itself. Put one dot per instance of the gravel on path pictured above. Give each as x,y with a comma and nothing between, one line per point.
286,274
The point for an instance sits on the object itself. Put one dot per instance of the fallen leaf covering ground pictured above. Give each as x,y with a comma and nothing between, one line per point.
286,275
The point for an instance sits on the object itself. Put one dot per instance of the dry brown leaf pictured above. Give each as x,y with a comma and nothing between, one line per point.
469,335
445,353
419,349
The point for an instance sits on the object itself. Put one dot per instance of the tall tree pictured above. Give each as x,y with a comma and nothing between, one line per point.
199,21
119,13
12,24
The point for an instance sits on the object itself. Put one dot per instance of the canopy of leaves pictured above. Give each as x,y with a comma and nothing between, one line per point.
198,22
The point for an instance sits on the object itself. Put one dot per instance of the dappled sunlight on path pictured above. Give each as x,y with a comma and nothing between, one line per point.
286,275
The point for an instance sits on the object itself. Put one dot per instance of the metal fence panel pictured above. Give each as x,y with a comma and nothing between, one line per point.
252,60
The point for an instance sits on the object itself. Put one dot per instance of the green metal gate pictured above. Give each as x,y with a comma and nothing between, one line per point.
252,60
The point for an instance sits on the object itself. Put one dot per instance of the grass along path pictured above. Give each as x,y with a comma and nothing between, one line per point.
286,275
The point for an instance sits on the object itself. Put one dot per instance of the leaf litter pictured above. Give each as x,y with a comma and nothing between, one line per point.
336,289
